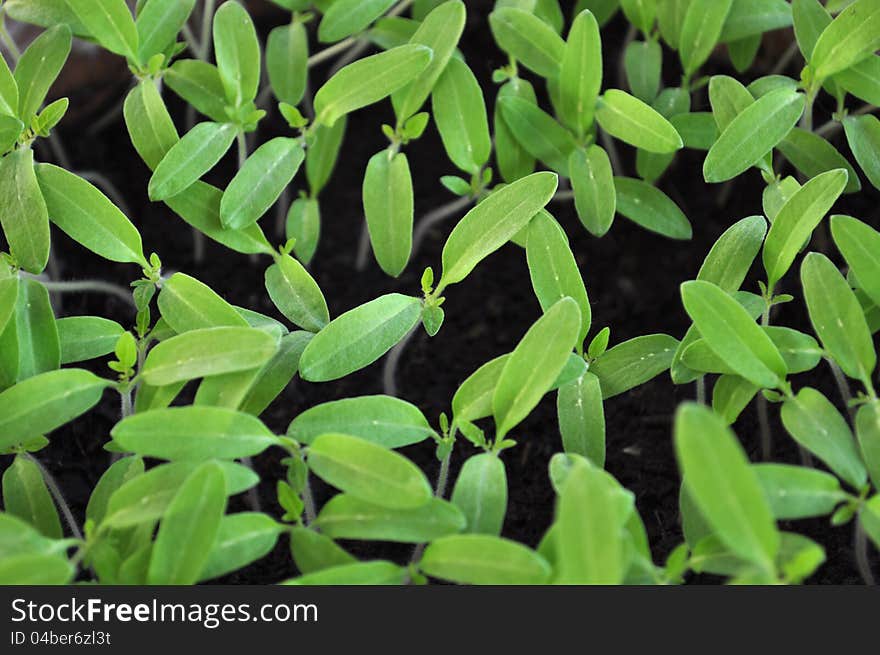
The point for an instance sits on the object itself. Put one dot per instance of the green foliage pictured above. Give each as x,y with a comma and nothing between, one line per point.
192,373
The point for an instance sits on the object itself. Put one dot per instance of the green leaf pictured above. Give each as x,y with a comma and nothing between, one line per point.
512,159
25,495
87,216
378,572
460,116
8,297
603,9
39,350
276,374
322,154
17,537
242,539
287,54
581,418
633,363
863,136
10,130
534,365
481,493
629,119
813,155
382,420
145,498
729,98
731,395
744,52
207,352
733,335
649,207
193,433
473,400
368,81
29,569
393,31
45,402
347,17
86,337
113,478
724,487
45,13
640,13
754,132
868,432
553,269
368,472
580,75
592,180
528,39
187,304
800,351
304,225
8,91
313,551
158,24
591,512
750,17
150,127
189,528
853,36
194,155
359,337
858,243
837,317
260,182
483,560
198,83
777,194
731,257
110,23
23,212
38,68
701,31
237,51
538,133
643,61
796,221
796,492
492,223
698,130
388,205
50,116
440,31
346,517
813,422
862,80
200,208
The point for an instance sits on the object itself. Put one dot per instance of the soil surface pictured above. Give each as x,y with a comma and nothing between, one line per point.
632,277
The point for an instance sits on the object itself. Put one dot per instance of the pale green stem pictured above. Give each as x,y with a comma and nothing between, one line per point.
89,286
863,561
833,126
308,502
763,409
206,38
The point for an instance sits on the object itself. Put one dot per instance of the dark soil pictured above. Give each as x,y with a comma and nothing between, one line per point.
632,277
